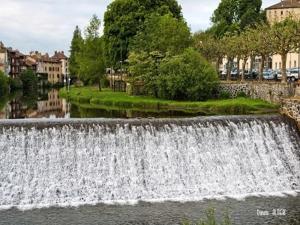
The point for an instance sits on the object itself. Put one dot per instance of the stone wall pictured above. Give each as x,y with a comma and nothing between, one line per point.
291,108
273,92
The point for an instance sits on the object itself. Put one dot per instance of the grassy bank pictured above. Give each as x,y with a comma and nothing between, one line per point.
90,97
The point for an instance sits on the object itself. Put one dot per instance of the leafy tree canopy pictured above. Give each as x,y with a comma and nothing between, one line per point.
233,16
124,18
164,34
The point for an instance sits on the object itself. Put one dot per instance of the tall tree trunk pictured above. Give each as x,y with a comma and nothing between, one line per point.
252,59
284,59
261,69
238,66
218,65
229,68
100,84
244,69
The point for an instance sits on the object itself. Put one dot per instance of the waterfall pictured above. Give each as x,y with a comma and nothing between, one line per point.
67,163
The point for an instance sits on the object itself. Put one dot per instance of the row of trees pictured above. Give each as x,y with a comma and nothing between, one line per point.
261,40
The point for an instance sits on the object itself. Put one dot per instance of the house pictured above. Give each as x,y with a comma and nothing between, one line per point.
4,65
277,13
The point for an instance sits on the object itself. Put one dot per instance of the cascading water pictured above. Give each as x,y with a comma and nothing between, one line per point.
152,160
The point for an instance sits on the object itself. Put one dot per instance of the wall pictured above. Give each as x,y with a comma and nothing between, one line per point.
273,92
291,108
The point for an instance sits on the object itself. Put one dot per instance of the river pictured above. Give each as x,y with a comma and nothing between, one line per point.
144,171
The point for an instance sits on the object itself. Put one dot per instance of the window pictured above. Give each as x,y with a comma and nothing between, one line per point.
295,63
280,65
281,12
276,66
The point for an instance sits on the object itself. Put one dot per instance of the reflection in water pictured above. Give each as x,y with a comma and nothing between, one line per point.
41,104
47,104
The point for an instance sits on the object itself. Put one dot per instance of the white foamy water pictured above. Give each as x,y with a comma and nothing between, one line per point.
70,166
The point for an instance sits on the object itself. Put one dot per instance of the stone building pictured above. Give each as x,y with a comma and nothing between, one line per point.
4,64
277,13
54,68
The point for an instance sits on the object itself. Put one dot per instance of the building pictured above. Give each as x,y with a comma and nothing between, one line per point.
54,68
277,13
15,60
63,59
4,64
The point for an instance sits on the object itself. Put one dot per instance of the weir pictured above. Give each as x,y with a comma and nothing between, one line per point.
76,162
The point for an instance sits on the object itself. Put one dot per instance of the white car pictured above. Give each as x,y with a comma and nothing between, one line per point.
293,74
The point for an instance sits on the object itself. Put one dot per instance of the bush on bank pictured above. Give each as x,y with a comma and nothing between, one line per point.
187,76
4,85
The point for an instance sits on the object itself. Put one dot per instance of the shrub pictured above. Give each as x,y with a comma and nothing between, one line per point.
15,84
4,86
224,95
241,94
187,76
29,80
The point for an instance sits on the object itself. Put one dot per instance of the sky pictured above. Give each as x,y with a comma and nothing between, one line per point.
48,25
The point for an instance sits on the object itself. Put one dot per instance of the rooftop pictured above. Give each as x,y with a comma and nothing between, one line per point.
285,4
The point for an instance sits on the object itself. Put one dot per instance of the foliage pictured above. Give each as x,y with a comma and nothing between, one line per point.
259,39
241,94
234,16
29,81
91,57
76,45
224,95
164,34
210,47
15,84
180,77
125,18
284,37
186,76
4,86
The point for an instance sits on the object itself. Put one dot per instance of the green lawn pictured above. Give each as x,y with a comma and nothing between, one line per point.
91,97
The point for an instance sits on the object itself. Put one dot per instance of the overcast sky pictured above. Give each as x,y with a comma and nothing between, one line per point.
47,25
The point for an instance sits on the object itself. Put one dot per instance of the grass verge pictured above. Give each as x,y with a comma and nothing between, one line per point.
91,97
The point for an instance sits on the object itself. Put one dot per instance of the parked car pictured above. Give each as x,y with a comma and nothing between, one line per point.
253,75
269,75
293,74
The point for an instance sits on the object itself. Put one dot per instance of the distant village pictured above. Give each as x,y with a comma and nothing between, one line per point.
49,69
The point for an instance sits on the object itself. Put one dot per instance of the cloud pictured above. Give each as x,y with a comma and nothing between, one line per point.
47,25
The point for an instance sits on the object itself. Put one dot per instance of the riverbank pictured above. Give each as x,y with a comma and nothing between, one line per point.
91,97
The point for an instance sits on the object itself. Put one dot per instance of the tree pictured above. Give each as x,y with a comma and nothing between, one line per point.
76,44
245,50
29,80
125,18
4,87
234,16
231,49
91,56
164,34
283,36
187,76
259,38
210,47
